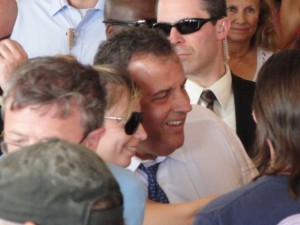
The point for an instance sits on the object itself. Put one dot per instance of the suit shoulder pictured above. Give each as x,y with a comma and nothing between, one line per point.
241,83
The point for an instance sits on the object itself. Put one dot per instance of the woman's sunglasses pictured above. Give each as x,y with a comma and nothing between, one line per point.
185,26
132,124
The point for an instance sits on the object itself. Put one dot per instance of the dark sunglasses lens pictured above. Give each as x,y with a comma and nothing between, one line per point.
147,23
144,24
166,28
133,123
188,26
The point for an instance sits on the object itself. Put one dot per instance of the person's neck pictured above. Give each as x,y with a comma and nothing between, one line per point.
208,76
238,49
150,150
83,4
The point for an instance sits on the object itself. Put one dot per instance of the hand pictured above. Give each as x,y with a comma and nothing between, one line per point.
12,55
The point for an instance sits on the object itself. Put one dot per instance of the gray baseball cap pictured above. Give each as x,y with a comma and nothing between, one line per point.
58,183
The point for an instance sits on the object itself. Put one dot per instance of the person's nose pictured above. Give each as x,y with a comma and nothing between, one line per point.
175,37
140,133
181,102
240,17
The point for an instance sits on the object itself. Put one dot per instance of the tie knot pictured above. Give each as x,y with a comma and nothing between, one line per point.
208,97
151,170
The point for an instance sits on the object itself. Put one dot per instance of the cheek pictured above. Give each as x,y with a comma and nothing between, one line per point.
199,41
253,21
116,138
192,41
154,117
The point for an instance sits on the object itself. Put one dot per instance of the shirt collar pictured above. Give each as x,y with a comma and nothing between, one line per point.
194,90
58,5
222,88
177,155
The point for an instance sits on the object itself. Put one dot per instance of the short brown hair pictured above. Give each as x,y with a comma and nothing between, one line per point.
57,80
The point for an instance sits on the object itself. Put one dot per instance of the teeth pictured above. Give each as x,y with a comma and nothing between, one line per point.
174,123
131,148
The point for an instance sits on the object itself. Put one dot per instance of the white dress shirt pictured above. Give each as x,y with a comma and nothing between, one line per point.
212,160
224,106
42,25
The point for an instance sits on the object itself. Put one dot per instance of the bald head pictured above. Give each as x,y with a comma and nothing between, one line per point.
128,10
8,15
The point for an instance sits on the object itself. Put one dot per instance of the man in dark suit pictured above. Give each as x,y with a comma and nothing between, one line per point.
243,91
198,30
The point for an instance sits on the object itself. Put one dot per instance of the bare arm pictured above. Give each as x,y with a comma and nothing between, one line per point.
12,55
173,214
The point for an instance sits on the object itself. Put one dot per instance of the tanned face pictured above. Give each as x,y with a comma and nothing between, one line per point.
164,103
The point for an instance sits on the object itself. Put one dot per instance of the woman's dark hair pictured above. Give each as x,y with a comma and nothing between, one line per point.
277,110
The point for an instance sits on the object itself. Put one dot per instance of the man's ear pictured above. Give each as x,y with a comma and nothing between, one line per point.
109,31
223,27
92,139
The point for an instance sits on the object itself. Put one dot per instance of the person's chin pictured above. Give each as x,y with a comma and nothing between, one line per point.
128,155
175,142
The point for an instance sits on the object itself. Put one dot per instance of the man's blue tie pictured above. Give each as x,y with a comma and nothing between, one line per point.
155,192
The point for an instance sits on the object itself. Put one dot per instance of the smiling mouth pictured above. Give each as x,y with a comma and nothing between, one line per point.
131,148
174,123
182,54
241,29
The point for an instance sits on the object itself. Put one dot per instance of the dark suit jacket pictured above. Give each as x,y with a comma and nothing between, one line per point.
243,91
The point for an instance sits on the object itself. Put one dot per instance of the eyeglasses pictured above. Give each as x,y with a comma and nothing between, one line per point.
185,26
139,23
132,124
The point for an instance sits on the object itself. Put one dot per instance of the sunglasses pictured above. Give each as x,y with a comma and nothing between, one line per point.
139,23
132,124
185,26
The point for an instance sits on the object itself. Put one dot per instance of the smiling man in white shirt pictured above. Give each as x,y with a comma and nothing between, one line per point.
198,155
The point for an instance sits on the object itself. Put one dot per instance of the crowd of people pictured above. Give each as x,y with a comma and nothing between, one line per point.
131,112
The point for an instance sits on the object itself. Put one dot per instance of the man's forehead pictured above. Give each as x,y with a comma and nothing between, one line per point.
173,11
149,61
46,109
133,10
147,70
